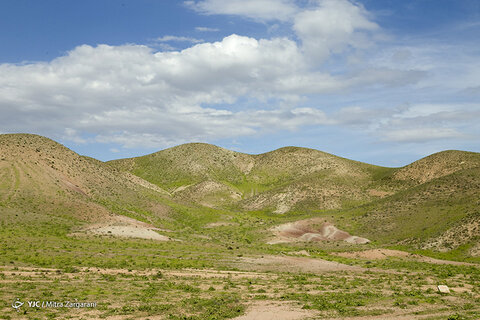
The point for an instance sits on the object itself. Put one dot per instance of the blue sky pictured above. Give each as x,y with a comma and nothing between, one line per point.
380,81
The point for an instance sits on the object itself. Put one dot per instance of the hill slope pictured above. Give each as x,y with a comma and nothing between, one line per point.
42,178
438,165
282,180
442,213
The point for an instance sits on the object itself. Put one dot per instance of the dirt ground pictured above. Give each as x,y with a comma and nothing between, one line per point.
312,230
378,254
275,310
293,264
121,226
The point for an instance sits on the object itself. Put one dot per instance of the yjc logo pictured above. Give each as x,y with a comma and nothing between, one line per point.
17,304
34,304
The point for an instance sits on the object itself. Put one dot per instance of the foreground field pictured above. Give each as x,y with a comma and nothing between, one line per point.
362,289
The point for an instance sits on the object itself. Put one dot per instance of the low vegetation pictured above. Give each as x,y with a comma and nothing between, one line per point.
218,209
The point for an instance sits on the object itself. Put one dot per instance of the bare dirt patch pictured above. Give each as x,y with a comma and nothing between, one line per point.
293,264
181,188
312,230
36,273
432,313
374,254
301,253
121,226
275,310
130,232
210,273
378,254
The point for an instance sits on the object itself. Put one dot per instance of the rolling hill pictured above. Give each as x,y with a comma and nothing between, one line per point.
430,204
42,180
283,180
442,213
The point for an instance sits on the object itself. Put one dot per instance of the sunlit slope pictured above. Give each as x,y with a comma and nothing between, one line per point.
301,179
438,165
197,173
40,176
442,213
283,180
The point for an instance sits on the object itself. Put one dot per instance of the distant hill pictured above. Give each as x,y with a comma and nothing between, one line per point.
286,179
440,208
438,165
432,203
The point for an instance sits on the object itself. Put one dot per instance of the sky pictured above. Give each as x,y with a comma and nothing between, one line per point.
380,81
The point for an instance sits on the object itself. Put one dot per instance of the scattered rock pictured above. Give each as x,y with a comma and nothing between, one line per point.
443,289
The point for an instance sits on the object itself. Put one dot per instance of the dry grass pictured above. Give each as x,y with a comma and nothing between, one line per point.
222,206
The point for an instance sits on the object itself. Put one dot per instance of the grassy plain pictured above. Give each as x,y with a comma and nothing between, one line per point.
218,264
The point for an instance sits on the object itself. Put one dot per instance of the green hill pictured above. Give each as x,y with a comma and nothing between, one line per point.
430,204
438,165
439,210
41,179
418,205
282,180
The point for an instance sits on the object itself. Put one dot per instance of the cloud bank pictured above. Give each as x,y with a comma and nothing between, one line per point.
240,86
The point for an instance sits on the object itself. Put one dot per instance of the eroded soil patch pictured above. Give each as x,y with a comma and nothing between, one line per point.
312,230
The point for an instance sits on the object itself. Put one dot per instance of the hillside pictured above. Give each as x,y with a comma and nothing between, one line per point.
282,180
41,179
431,203
438,165
442,213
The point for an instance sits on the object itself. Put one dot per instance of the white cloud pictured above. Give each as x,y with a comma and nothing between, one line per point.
449,66
331,27
261,10
421,134
137,97
325,27
206,29
178,39
72,135
427,122
162,46
239,86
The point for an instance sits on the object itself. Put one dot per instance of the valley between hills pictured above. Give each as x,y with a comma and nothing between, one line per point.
200,232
